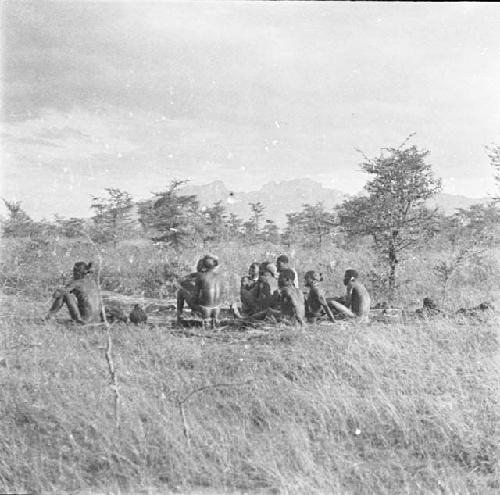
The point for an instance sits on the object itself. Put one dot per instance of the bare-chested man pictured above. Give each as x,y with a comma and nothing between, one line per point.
268,290
283,263
291,298
82,298
249,288
357,299
316,304
265,295
207,295
209,290
186,291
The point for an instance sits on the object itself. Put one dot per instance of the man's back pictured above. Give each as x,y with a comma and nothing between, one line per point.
209,287
359,298
88,299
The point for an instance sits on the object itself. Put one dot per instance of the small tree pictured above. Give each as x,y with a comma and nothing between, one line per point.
18,224
312,225
112,218
70,227
234,225
270,232
216,222
171,217
467,236
257,214
252,227
393,211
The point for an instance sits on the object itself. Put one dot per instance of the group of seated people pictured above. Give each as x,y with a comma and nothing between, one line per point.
272,291
268,291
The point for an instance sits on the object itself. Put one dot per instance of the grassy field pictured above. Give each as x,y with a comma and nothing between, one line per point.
396,408
401,408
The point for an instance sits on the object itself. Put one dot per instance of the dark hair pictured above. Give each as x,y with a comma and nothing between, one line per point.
351,273
210,261
283,258
318,277
80,269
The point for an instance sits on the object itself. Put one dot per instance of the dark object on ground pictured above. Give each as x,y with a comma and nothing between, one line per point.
138,315
429,308
476,310
428,303
115,314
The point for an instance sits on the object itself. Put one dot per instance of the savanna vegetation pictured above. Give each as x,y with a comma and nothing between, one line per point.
402,407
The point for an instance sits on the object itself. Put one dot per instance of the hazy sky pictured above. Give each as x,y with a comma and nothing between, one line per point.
133,94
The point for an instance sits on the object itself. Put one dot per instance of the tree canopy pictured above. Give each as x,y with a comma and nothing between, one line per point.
392,211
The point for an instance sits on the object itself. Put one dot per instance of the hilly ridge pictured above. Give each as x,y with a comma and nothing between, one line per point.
280,198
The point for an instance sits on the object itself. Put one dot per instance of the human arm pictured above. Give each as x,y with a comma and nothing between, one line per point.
348,294
324,304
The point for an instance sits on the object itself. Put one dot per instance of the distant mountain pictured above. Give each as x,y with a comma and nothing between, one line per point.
279,198
448,203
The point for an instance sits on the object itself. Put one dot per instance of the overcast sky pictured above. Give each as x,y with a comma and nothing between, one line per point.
132,94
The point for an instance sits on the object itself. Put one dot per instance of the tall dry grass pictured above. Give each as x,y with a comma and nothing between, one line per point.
402,408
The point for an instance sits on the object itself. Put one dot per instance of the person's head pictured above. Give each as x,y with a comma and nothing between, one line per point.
210,261
80,269
282,262
267,269
253,271
350,276
313,278
286,278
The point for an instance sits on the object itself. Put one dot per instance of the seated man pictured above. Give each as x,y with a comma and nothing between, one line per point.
316,304
357,299
249,288
185,292
249,281
209,290
268,291
267,294
206,296
82,298
291,298
282,263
